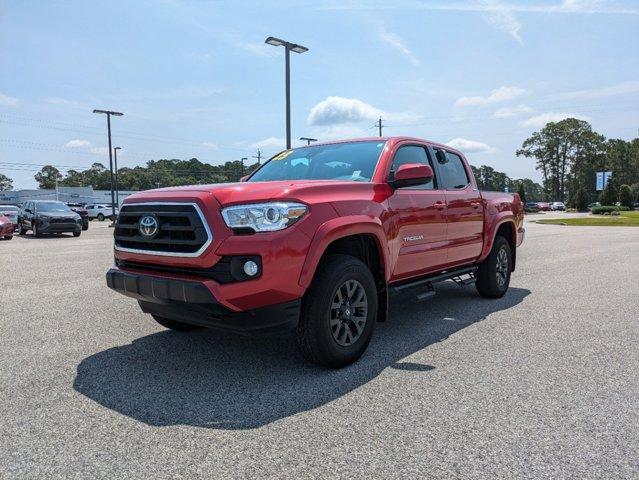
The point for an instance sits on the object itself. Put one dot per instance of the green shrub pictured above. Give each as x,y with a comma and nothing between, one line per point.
581,200
610,195
607,209
625,196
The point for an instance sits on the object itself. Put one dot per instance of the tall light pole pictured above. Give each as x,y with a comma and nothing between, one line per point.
115,160
308,140
288,47
108,113
242,164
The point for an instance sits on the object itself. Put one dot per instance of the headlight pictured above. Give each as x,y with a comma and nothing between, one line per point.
264,217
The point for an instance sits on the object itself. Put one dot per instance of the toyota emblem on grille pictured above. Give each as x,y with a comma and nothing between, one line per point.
149,226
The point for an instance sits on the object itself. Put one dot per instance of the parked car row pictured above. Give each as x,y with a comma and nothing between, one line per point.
545,206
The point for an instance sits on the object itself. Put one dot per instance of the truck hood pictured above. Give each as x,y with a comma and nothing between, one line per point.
247,192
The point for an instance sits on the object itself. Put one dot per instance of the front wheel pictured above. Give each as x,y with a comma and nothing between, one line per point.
174,324
36,231
21,230
338,312
493,275
76,234
101,217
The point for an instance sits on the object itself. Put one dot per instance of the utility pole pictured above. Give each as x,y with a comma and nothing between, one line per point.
379,125
258,156
308,140
108,113
117,192
56,190
288,47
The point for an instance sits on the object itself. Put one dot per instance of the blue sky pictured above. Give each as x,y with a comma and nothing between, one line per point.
195,79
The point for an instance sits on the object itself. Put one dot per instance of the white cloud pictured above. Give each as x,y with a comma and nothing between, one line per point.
210,145
539,121
508,112
506,21
8,101
260,49
270,143
77,143
469,146
99,150
500,94
335,110
398,43
623,88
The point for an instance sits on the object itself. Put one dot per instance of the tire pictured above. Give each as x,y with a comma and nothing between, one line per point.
9,237
174,324
101,217
76,234
21,230
323,330
493,275
36,232
85,228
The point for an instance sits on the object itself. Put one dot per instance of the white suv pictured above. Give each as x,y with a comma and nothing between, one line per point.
100,211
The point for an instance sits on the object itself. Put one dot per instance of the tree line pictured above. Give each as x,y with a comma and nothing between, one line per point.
569,153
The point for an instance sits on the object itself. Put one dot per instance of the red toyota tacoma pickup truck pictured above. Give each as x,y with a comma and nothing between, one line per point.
316,239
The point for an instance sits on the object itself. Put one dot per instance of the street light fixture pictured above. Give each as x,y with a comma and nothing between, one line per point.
117,190
108,113
308,140
288,47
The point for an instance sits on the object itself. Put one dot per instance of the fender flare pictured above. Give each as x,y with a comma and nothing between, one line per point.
341,227
491,233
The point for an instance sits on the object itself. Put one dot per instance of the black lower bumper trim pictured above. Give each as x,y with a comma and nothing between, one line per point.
192,302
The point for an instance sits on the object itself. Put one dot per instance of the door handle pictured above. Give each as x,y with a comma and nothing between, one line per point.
440,205
474,204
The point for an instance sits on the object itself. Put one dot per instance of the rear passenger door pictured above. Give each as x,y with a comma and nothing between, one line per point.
419,215
465,216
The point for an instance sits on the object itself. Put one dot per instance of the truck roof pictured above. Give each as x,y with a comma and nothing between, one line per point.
395,138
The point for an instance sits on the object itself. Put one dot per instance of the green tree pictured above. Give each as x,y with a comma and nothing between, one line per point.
5,183
609,194
581,200
522,192
625,196
562,148
47,177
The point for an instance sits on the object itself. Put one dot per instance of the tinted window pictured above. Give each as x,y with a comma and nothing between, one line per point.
413,154
451,170
355,161
53,207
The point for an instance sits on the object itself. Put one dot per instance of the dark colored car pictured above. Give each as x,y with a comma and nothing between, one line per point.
12,212
6,227
83,212
47,216
532,207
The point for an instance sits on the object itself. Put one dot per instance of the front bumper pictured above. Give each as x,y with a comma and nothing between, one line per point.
59,227
191,301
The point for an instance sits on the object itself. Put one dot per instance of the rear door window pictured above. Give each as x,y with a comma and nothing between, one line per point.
451,169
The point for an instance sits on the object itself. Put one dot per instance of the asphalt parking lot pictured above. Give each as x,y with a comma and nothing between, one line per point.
542,383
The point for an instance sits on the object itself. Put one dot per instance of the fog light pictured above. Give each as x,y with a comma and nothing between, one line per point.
251,268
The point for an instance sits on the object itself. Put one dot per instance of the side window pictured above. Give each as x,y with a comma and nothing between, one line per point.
413,154
452,171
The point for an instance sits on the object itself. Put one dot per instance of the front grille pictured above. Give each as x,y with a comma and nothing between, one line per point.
61,220
182,231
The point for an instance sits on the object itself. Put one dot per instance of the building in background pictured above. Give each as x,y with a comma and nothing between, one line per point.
83,195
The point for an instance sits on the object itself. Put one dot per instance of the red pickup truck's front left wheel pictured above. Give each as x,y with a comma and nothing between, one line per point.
338,312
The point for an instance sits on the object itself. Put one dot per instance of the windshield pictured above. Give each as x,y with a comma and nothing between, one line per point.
52,207
354,161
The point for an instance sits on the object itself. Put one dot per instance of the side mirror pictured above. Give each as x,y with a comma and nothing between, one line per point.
411,174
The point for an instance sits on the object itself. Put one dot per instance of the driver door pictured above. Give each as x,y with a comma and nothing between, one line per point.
419,215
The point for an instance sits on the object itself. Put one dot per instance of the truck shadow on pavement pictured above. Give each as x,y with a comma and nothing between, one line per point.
216,380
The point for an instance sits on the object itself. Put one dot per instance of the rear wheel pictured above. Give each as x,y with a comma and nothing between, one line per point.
174,324
8,237
338,312
493,275
36,231
21,229
100,217
76,234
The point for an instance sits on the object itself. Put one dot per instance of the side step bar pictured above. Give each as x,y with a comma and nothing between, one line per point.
428,281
